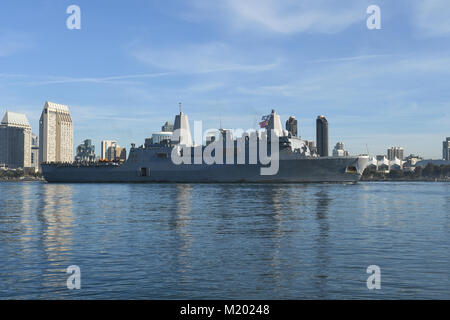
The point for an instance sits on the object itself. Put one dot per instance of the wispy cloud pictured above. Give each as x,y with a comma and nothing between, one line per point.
11,43
432,17
199,58
33,80
353,58
286,17
287,90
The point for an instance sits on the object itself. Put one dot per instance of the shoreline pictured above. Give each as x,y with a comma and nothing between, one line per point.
21,179
363,179
405,180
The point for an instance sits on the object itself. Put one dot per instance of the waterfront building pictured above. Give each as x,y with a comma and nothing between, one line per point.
85,151
55,134
382,163
34,140
322,136
105,144
424,163
292,126
312,146
112,151
395,152
446,149
372,164
339,151
121,154
34,152
15,141
395,164
411,160
116,153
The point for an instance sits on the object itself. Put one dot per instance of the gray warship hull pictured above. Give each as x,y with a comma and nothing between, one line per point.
241,160
326,169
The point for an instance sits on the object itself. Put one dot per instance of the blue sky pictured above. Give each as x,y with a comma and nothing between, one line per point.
125,71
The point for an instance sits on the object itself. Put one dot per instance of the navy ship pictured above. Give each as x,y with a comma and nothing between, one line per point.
272,155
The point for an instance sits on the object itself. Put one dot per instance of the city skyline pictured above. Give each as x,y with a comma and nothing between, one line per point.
125,71
391,152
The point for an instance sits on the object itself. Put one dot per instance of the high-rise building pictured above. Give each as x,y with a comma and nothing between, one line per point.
395,152
85,151
104,148
15,141
119,154
112,151
55,134
116,153
446,149
291,126
322,136
34,152
312,147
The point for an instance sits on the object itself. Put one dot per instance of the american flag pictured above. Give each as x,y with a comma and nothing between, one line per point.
265,121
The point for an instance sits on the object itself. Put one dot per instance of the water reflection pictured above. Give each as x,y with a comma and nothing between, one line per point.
27,219
179,223
273,206
221,241
56,219
322,245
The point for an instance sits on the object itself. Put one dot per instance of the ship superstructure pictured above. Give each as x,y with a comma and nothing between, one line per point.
270,155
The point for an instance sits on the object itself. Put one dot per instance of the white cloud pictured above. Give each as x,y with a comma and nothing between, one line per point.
199,58
11,43
433,17
50,80
287,90
353,58
288,16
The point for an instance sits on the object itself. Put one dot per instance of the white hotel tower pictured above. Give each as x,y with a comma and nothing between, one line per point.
55,134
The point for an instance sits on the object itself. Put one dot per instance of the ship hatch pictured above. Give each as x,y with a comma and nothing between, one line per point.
143,172
351,169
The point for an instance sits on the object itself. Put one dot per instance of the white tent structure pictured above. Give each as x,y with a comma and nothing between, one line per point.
383,164
372,164
396,164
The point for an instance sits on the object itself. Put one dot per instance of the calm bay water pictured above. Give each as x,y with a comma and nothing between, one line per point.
182,241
